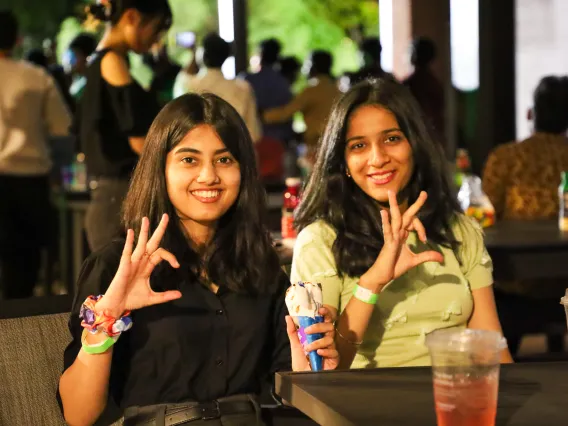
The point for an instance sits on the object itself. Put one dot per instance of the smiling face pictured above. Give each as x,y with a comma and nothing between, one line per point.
378,155
202,177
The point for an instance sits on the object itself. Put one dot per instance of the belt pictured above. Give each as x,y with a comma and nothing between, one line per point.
181,414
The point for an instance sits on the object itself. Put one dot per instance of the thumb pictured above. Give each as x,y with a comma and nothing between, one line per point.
428,256
292,332
163,297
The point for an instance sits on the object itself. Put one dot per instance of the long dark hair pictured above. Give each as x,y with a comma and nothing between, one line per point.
240,255
333,197
112,10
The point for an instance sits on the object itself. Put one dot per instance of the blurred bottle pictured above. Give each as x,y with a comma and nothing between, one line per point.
463,166
563,198
79,174
291,201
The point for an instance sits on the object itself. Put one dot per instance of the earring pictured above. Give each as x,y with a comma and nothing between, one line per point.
347,173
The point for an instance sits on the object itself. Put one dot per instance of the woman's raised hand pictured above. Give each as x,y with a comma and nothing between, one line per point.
130,289
396,258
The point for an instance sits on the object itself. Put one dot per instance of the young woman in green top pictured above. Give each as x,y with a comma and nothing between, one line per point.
378,187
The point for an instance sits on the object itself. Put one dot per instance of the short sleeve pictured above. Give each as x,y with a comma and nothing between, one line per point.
134,108
314,261
477,265
96,275
281,355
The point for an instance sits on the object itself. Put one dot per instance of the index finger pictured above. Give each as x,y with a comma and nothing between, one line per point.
394,212
413,210
158,234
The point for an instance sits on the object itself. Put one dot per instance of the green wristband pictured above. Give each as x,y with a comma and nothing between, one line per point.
365,295
97,348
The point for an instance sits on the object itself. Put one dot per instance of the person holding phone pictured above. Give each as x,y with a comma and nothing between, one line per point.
201,289
381,229
115,112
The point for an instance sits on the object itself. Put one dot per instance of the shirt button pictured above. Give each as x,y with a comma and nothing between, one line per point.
219,362
219,312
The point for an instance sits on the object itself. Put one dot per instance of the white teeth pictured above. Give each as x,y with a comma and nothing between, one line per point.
206,194
382,177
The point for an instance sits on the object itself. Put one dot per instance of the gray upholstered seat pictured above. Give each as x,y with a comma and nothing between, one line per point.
31,361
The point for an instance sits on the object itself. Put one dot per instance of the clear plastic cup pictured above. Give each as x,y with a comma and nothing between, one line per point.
465,373
564,301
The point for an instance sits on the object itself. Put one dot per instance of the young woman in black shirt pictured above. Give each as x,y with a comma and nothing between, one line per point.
206,290
115,112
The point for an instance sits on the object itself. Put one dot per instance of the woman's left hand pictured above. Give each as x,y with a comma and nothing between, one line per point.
324,346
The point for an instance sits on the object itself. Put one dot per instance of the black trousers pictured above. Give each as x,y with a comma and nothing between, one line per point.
102,222
26,226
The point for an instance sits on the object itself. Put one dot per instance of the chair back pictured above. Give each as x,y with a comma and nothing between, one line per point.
31,361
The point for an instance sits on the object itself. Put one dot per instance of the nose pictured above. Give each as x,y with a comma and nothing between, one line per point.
208,174
379,156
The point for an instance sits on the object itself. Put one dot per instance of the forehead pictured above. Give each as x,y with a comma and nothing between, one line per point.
370,119
203,138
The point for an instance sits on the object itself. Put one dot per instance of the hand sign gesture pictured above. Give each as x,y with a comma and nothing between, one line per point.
396,258
130,289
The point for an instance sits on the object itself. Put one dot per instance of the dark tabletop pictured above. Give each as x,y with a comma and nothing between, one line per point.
527,235
529,394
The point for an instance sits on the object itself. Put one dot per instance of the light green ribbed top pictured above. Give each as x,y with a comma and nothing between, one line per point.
428,297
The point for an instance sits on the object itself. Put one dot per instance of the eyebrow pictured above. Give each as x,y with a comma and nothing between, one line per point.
196,151
383,132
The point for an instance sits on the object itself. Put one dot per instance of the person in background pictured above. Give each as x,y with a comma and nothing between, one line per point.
165,73
382,232
37,57
115,111
521,180
75,62
31,110
425,86
271,90
290,69
209,78
314,102
370,51
205,291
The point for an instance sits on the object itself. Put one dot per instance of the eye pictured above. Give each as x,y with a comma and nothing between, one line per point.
356,146
226,160
188,160
393,139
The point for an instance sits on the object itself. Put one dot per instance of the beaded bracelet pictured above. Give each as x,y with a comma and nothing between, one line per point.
94,321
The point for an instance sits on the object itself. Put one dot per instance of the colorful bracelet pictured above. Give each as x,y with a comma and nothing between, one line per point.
365,295
95,321
97,348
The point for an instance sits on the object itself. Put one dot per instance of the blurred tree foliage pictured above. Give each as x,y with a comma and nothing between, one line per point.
300,25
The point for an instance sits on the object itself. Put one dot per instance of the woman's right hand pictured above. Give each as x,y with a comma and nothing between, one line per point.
396,258
130,289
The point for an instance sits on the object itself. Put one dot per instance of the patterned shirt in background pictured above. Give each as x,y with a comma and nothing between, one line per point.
522,179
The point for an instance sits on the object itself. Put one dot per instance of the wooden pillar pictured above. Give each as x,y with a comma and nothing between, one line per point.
426,18
496,97
240,13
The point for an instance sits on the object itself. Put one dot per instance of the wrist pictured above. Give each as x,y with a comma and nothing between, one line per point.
371,284
365,295
113,312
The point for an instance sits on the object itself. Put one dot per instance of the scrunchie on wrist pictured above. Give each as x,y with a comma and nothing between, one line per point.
93,320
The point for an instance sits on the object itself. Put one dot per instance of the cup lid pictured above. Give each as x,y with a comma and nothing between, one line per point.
465,339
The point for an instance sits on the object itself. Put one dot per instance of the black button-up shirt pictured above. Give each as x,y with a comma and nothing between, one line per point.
200,347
